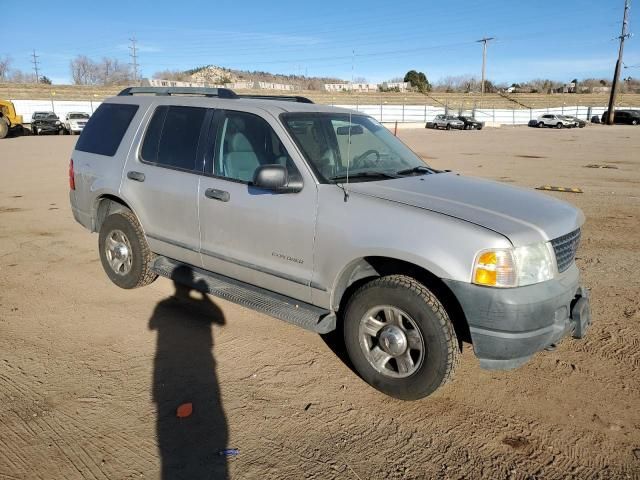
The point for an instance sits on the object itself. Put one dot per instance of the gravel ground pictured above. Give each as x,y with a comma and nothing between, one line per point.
90,375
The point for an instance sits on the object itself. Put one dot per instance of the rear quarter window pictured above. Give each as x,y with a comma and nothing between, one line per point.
106,127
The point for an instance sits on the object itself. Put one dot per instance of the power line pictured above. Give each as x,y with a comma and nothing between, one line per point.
484,42
34,60
134,59
616,74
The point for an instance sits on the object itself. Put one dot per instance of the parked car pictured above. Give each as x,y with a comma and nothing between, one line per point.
319,216
448,122
628,117
45,122
74,122
470,123
576,121
557,121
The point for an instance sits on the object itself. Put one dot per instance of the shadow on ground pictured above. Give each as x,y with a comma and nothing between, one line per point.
184,371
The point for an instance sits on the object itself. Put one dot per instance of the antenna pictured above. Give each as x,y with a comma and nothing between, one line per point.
346,191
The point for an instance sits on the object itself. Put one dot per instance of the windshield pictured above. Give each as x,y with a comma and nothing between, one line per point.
77,116
333,141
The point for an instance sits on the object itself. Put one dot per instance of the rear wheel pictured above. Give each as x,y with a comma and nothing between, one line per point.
124,252
400,338
4,128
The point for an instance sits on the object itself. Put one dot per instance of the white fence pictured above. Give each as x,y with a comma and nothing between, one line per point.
382,113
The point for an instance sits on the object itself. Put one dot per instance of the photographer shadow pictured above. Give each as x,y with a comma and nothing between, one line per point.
184,371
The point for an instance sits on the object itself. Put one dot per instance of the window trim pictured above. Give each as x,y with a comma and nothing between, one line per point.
200,149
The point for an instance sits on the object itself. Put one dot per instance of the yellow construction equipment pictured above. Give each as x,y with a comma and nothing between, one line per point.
9,120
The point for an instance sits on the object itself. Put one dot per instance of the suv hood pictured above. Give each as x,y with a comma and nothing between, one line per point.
520,214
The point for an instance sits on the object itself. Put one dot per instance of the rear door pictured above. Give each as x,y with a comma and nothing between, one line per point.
259,237
161,177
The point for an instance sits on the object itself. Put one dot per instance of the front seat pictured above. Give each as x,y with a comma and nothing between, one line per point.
240,162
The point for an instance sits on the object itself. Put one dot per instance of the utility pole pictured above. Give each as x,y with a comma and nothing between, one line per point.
616,74
34,60
134,59
484,42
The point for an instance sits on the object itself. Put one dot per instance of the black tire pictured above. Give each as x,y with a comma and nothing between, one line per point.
634,122
559,125
441,350
140,273
4,128
34,130
448,126
540,124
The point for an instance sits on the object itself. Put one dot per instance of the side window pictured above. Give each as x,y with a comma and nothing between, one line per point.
172,137
105,129
246,141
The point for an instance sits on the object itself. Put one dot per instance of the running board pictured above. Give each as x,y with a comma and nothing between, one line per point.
279,306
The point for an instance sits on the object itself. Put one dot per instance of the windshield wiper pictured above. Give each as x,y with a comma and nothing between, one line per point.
418,169
357,175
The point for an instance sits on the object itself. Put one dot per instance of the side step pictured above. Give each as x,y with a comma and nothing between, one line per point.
285,308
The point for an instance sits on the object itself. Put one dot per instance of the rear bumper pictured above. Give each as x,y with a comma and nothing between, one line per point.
508,326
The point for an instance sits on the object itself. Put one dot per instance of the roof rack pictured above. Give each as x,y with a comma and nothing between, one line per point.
284,98
207,92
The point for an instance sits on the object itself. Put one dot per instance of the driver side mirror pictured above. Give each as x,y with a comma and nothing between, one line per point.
274,177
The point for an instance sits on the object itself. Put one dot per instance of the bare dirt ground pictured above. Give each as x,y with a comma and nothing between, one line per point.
90,375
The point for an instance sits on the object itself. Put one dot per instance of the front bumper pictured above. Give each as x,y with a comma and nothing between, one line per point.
508,326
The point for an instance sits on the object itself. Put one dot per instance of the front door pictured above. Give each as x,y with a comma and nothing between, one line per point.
260,237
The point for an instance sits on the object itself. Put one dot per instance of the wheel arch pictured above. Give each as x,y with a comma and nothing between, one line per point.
365,269
105,205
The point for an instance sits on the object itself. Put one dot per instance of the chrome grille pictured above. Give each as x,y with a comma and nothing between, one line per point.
565,248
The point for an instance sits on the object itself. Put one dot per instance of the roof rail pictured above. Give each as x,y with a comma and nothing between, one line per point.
284,98
207,92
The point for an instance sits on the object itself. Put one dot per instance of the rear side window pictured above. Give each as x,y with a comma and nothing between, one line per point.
172,137
106,127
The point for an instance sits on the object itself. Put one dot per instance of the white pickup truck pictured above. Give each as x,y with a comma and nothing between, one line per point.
74,122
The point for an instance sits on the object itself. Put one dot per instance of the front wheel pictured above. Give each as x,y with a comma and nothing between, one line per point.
634,122
540,124
400,338
124,251
558,125
448,126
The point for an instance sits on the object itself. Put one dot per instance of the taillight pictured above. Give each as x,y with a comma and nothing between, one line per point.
72,179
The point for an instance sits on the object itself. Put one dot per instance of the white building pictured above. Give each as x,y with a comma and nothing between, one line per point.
351,87
401,86
275,86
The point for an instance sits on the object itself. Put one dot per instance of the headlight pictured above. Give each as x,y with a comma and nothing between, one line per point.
515,267
57,122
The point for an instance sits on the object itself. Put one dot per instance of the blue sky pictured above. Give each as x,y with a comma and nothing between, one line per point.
557,40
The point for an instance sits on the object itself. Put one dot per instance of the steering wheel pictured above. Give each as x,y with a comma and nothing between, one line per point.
361,160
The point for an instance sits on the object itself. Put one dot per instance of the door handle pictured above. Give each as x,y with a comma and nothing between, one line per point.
137,176
217,194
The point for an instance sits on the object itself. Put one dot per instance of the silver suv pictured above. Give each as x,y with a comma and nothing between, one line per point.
448,122
319,216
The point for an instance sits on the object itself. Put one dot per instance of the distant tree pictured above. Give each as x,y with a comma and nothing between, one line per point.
46,80
84,71
5,64
418,80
